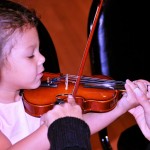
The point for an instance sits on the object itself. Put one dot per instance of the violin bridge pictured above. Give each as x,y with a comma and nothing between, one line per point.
66,82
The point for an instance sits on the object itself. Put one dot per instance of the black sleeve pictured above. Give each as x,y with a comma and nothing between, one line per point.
69,133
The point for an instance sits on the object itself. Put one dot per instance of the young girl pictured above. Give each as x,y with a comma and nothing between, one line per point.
21,67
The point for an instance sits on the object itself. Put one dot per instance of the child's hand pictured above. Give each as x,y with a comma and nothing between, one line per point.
128,99
142,111
144,86
69,108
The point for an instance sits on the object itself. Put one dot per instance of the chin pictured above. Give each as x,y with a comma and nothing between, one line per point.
35,85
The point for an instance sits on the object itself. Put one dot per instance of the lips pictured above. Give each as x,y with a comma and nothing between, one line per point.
40,75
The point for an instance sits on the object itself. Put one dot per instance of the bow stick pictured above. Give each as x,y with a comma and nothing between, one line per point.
88,44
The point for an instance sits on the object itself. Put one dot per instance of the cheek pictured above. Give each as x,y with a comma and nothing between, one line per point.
24,74
28,65
30,80
28,75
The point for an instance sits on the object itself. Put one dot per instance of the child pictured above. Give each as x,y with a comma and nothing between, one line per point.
21,67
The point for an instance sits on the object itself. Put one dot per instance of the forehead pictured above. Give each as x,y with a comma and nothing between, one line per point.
24,38
28,35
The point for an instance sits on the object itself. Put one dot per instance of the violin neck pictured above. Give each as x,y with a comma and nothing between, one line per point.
88,82
109,84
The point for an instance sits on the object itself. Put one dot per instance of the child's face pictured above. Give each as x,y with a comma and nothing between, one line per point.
25,63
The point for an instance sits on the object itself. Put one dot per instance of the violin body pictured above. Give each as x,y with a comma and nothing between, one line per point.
91,99
93,95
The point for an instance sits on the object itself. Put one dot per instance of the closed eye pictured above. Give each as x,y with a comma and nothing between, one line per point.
31,56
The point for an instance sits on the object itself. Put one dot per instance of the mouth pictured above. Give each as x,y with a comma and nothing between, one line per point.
40,74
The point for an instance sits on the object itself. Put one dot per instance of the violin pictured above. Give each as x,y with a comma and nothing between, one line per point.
95,94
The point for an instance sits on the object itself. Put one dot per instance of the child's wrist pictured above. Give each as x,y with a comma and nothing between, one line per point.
122,107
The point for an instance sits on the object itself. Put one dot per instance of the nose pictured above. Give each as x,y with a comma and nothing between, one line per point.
41,59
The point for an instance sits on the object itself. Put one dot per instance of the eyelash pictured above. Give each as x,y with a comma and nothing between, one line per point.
31,56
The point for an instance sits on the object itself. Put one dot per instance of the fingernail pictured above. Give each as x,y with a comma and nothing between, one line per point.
137,91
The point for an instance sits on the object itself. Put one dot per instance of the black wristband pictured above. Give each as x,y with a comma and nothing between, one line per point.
69,133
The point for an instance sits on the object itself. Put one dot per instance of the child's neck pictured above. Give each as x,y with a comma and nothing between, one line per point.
9,96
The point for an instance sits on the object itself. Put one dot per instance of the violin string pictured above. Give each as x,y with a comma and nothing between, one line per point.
86,80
